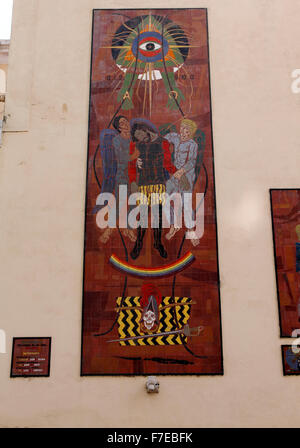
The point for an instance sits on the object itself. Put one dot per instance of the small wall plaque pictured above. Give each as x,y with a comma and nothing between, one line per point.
30,357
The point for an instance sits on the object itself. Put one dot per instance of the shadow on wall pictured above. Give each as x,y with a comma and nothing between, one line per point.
2,81
2,341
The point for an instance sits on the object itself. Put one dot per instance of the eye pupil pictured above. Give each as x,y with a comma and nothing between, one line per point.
150,46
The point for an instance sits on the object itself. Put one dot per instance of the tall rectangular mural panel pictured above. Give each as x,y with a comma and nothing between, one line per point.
151,302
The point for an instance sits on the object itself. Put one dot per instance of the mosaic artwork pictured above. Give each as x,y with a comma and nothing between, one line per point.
151,301
290,360
286,233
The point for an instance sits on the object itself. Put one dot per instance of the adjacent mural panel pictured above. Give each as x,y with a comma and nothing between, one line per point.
285,204
290,360
151,302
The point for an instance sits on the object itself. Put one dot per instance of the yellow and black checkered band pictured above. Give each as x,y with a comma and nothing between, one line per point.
130,317
153,194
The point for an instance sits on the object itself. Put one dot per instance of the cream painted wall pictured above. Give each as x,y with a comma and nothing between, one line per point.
254,47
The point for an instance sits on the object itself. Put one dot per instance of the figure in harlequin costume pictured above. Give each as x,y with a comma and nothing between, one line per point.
154,168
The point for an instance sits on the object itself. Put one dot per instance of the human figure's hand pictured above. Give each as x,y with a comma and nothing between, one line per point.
139,163
135,154
178,173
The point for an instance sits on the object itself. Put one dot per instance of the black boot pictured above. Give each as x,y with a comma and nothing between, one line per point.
157,237
138,244
158,244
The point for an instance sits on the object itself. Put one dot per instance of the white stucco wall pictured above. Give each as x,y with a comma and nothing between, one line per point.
254,47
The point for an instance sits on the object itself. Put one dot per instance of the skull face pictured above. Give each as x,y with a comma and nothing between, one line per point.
149,319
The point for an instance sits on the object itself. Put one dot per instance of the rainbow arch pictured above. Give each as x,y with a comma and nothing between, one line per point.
161,271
